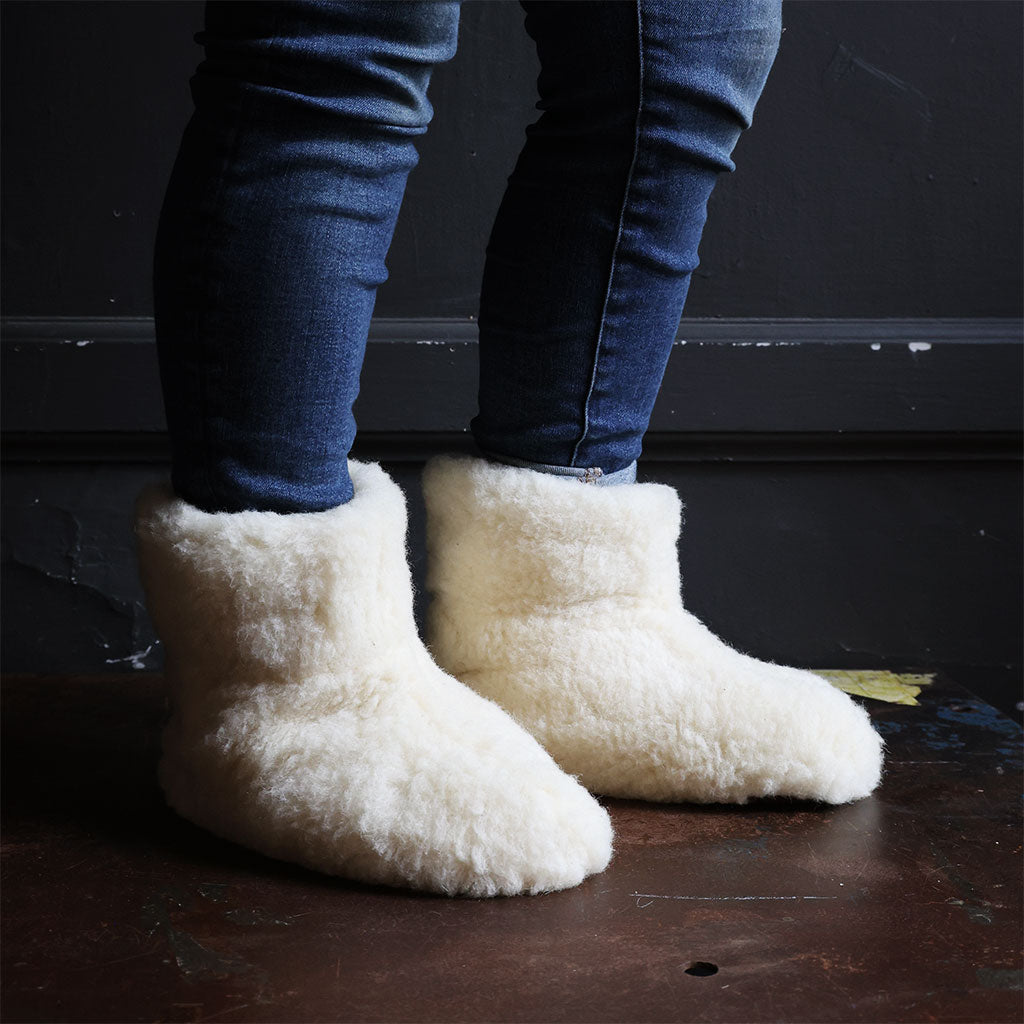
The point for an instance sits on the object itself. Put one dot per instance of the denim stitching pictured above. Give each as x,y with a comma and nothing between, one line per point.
618,236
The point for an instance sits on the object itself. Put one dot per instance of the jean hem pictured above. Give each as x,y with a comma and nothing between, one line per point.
585,475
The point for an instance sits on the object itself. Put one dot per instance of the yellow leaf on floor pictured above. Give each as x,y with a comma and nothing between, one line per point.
892,687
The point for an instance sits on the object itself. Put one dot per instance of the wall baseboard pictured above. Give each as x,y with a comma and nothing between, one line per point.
92,386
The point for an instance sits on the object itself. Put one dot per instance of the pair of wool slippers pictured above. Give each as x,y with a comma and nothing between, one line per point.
311,723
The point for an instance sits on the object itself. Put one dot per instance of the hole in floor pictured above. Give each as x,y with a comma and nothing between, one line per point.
702,969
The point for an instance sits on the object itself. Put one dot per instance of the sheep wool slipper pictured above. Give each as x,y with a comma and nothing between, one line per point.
561,601
310,723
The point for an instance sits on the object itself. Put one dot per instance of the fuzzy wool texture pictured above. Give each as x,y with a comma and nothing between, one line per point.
561,602
310,723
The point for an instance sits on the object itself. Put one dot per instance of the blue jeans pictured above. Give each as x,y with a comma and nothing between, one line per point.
283,199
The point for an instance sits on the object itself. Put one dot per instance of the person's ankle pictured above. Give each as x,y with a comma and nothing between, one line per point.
582,474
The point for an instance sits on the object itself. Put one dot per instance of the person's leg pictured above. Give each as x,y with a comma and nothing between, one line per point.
590,256
559,601
308,720
273,234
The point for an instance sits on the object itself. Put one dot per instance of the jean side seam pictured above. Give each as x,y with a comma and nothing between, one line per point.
618,235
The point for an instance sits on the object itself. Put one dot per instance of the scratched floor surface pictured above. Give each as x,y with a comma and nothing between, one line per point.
902,907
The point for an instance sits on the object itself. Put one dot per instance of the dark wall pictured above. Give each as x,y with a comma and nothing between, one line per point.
845,432
881,176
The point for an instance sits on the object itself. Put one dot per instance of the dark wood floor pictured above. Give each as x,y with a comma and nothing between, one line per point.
902,907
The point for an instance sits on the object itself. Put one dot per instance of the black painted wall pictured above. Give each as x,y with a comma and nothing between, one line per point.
881,176
853,486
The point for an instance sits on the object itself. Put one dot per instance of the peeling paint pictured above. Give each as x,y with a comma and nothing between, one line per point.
754,344
78,561
736,344
137,659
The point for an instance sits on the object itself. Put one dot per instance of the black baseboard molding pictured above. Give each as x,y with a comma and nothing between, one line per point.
745,388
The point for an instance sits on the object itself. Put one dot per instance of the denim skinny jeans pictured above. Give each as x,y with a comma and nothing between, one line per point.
288,181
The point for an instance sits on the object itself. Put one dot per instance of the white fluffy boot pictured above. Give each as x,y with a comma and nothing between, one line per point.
561,601
310,723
